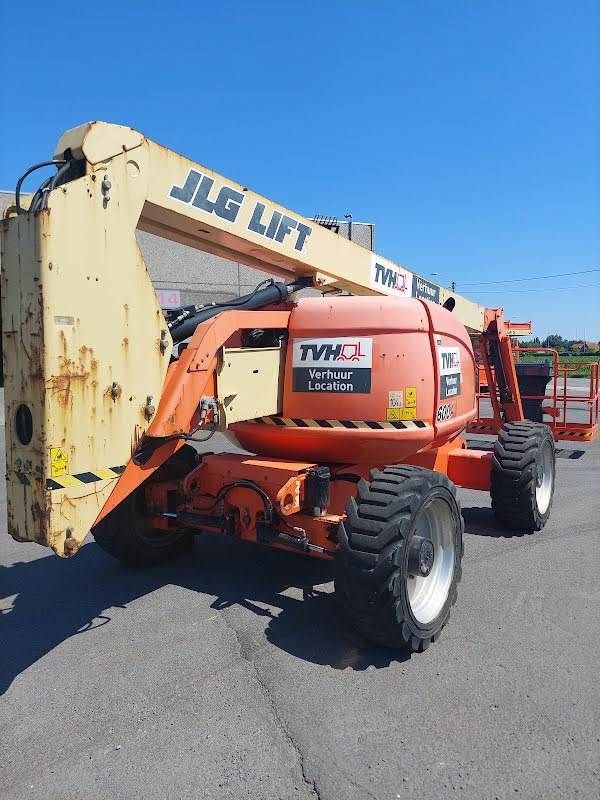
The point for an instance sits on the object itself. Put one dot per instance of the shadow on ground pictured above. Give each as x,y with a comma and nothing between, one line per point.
55,599
480,521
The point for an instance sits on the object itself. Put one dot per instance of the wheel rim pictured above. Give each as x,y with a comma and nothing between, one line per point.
545,478
428,594
152,537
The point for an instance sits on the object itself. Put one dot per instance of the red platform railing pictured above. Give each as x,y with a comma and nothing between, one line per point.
571,415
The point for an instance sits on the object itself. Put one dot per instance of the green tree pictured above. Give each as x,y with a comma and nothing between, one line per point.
556,341
525,343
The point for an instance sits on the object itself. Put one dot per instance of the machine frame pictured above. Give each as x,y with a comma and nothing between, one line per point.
95,407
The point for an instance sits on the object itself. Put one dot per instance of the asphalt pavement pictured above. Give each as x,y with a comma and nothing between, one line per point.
233,675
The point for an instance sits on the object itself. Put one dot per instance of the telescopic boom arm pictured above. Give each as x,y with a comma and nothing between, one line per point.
193,205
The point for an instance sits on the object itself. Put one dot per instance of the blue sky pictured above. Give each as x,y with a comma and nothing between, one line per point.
469,132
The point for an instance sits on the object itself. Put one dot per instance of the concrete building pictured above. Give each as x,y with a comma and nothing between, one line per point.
183,275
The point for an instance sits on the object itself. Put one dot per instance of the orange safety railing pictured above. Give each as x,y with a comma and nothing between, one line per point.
570,412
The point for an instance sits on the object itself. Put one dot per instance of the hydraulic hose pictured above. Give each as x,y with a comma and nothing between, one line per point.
57,162
274,293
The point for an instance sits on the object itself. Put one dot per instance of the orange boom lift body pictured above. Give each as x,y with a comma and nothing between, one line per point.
351,410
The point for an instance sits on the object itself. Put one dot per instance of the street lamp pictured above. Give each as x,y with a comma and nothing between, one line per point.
452,284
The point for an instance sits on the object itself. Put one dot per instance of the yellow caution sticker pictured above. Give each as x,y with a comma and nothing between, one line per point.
59,462
410,398
393,414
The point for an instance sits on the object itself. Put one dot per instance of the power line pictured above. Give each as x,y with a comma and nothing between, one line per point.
548,289
533,278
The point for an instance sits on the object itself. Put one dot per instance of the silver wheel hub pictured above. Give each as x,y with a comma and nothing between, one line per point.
544,483
421,556
431,557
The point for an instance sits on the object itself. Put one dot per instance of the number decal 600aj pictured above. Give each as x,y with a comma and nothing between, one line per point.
445,412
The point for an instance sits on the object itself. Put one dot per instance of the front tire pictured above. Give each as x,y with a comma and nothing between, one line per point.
399,558
523,475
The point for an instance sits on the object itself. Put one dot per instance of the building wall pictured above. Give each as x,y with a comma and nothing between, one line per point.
6,199
204,278
201,277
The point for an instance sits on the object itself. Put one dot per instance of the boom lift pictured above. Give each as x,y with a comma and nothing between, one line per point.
354,407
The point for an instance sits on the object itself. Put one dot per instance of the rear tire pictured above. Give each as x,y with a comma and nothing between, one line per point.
126,533
523,475
379,569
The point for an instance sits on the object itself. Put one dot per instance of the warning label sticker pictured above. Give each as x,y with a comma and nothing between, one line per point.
410,397
396,399
59,462
395,414
332,365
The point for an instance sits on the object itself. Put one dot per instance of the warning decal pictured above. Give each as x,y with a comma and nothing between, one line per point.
66,481
396,399
332,365
59,462
400,413
410,397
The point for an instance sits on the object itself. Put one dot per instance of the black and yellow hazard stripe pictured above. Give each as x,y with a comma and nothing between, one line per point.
83,478
563,433
348,424
475,427
576,434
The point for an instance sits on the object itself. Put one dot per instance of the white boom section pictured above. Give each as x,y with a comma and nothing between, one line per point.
193,205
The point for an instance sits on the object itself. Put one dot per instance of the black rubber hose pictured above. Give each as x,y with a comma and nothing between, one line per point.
274,293
56,162
54,182
191,311
38,197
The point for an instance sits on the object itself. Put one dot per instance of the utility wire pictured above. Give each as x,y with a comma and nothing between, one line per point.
548,289
533,278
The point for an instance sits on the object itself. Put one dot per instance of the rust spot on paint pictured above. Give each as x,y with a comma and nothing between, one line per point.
68,381
62,386
138,432
73,377
41,518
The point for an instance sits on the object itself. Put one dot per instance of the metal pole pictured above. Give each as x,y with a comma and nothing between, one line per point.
349,218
